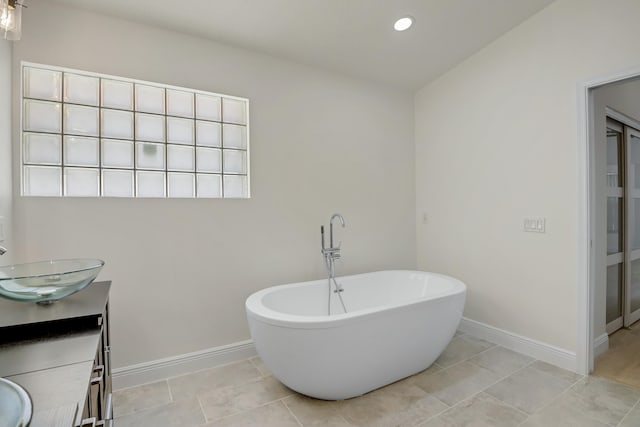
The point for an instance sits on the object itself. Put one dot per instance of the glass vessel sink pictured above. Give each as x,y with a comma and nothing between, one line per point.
15,405
47,281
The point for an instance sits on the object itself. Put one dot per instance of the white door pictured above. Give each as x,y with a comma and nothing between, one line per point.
615,226
632,221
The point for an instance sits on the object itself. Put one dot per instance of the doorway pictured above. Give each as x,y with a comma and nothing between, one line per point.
614,230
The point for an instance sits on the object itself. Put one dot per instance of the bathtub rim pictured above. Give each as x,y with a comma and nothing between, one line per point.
256,310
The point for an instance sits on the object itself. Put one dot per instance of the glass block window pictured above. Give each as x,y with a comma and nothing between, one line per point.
93,135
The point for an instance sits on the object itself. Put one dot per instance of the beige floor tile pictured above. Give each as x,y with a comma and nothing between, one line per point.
533,387
259,364
481,410
601,399
135,399
272,415
462,348
246,394
560,415
632,419
457,383
501,361
186,413
222,402
316,413
437,421
426,373
191,385
398,404
556,372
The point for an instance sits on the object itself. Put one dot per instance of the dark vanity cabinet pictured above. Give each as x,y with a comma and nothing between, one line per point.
98,410
60,353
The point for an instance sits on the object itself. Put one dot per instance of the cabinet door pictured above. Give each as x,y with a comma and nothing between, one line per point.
96,392
105,350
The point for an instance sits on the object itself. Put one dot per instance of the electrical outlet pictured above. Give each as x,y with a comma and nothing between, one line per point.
535,225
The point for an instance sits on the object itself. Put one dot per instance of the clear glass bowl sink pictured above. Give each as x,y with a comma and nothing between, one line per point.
15,405
47,281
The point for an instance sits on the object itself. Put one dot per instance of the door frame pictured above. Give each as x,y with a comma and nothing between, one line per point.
585,216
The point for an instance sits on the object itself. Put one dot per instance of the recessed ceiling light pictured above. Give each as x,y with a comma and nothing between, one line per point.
403,23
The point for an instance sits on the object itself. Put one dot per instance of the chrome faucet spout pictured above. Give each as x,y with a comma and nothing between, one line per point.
334,216
337,215
3,250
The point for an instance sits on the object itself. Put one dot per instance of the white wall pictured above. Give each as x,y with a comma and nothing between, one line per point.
497,141
623,97
182,269
6,202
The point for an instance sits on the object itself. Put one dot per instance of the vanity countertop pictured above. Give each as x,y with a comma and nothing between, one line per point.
50,355
88,302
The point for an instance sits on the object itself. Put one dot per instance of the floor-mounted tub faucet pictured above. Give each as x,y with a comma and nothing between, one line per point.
331,254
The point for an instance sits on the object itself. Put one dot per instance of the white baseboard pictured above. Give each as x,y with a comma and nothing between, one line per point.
156,370
547,353
600,345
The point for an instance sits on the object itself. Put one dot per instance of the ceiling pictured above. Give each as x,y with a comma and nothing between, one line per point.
353,37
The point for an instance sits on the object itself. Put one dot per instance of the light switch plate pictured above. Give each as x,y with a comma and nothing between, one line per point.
535,224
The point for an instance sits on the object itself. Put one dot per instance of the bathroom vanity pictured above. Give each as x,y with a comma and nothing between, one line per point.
60,354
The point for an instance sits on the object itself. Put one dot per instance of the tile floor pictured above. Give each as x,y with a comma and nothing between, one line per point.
621,362
474,383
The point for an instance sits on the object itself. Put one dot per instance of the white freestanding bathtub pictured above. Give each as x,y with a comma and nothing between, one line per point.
397,324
